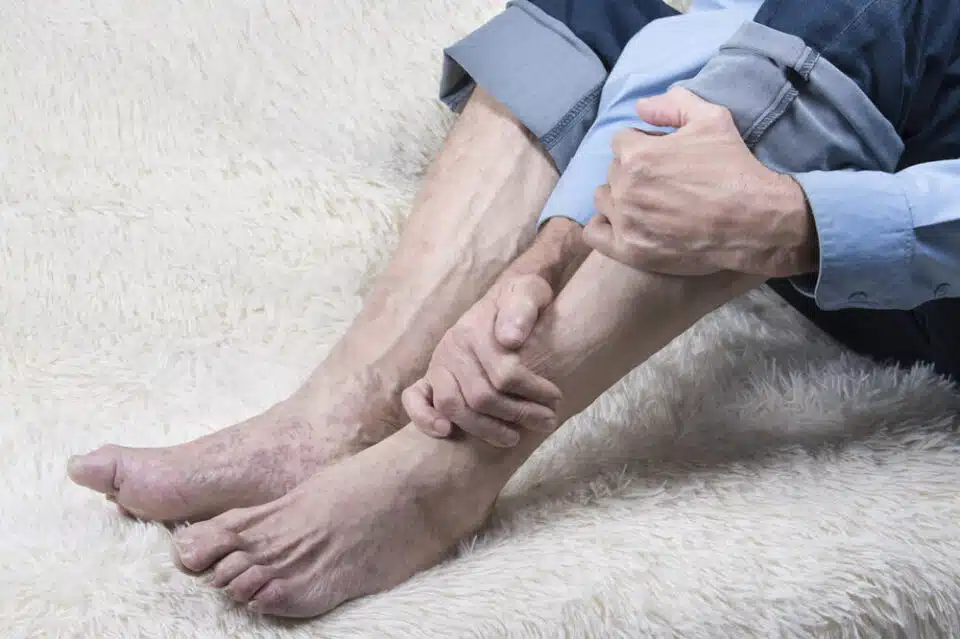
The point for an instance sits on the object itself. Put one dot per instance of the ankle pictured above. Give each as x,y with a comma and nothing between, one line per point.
455,486
461,465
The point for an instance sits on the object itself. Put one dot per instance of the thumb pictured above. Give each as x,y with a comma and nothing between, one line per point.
518,309
676,108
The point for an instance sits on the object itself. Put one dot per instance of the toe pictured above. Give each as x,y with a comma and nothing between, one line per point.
97,470
196,548
277,599
230,567
244,587
296,597
120,508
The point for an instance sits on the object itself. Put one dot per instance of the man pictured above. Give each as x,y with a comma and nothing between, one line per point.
696,202
376,517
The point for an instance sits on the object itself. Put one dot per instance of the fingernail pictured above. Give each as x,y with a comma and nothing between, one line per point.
511,440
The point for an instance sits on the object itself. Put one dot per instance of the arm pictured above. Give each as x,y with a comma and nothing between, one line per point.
886,240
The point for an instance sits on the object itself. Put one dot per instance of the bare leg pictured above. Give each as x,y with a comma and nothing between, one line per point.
375,519
476,212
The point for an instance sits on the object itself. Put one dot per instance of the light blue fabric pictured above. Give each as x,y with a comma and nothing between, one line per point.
663,53
886,241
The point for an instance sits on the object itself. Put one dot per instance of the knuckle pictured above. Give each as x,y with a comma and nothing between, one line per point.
534,286
522,416
447,405
631,156
506,374
479,396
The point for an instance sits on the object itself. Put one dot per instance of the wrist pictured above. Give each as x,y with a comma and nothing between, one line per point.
795,229
555,254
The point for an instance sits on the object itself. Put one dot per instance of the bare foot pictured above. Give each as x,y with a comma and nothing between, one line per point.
247,464
356,528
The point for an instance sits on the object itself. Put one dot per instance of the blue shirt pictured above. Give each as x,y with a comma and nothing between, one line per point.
886,240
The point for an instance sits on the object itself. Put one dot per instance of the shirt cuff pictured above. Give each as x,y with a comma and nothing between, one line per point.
534,65
865,230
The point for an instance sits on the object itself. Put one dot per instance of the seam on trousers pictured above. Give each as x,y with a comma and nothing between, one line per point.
788,93
853,21
803,65
576,112
805,69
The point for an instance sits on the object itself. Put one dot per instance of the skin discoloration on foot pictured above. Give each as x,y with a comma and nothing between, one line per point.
244,465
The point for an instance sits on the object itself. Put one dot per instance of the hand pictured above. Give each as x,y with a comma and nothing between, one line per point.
696,201
475,379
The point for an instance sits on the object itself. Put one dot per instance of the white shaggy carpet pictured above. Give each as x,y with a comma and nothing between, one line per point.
193,197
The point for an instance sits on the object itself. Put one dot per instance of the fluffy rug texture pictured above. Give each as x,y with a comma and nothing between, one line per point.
195,196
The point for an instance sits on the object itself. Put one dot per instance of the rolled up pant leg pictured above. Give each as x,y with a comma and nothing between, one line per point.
547,61
900,54
816,85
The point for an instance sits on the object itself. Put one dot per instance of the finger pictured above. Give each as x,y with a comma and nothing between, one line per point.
535,412
599,234
604,203
518,309
417,400
508,375
677,108
449,400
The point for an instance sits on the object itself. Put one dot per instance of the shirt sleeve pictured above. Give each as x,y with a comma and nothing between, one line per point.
887,241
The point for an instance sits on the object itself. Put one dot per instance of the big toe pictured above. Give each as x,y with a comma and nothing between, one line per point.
198,547
97,470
